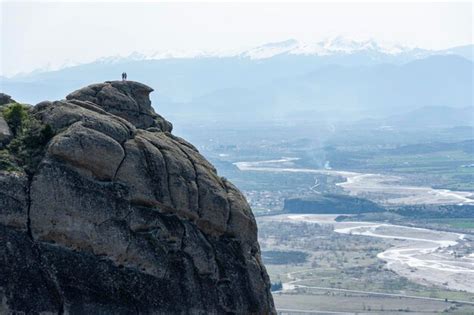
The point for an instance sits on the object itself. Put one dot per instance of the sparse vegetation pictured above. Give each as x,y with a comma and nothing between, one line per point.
278,257
29,142
16,115
338,262
7,162
331,203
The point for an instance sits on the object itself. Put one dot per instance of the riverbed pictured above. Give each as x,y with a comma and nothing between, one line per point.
422,255
362,183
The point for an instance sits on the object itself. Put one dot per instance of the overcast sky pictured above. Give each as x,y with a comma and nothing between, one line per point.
37,34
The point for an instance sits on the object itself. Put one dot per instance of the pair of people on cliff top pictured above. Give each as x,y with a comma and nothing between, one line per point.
124,76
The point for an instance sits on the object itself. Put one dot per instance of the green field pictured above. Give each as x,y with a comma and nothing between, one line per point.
440,167
455,223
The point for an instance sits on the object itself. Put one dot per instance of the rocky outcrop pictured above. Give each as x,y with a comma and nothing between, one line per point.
123,217
5,99
5,132
127,100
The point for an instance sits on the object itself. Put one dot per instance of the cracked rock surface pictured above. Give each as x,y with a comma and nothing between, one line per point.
123,217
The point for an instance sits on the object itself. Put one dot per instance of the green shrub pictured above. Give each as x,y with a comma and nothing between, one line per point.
29,146
16,116
30,138
7,162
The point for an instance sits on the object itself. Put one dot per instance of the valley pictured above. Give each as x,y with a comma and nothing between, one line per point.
193,157
415,257
383,269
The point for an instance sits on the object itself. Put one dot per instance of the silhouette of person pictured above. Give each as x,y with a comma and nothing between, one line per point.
123,76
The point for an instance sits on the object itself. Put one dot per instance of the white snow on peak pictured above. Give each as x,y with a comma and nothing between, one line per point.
271,49
331,46
164,54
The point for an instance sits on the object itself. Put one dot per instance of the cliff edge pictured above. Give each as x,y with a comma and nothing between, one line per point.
107,212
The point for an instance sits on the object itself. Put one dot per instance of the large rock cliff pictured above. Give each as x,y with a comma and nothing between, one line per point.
119,216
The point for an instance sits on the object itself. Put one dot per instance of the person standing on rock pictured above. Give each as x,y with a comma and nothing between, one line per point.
124,76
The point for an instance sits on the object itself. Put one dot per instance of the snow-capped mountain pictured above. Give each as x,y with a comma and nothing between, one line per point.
336,45
364,51
279,77
330,46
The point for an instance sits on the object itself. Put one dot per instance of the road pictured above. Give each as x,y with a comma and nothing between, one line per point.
312,312
378,294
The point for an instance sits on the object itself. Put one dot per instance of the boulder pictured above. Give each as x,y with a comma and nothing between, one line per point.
5,99
127,99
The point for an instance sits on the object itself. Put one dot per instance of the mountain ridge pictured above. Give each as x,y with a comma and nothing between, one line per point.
344,86
338,45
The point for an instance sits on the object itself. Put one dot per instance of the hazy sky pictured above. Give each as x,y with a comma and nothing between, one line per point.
37,34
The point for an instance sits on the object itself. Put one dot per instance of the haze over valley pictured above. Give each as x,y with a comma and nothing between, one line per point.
345,80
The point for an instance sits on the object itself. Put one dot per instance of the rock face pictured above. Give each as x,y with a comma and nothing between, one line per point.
5,99
123,217
5,133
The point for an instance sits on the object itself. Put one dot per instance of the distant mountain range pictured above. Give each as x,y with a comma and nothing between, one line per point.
434,116
332,47
336,79
424,117
336,46
343,46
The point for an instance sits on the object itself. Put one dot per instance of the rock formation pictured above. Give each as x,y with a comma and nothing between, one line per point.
5,99
119,216
5,133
